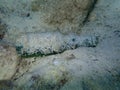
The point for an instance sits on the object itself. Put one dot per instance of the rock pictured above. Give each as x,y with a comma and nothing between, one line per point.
39,74
65,16
91,68
52,43
8,61
53,79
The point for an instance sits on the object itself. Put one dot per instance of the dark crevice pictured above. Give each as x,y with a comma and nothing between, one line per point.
13,78
67,46
39,54
89,12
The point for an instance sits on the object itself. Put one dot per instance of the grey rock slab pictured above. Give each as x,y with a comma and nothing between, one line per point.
24,16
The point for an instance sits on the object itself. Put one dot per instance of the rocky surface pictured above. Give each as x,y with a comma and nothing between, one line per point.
84,67
44,15
81,68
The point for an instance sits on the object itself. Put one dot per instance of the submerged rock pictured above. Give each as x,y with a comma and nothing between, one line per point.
41,75
8,61
52,43
65,16
43,78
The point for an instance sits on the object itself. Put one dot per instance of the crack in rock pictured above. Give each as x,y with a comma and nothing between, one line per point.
89,11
